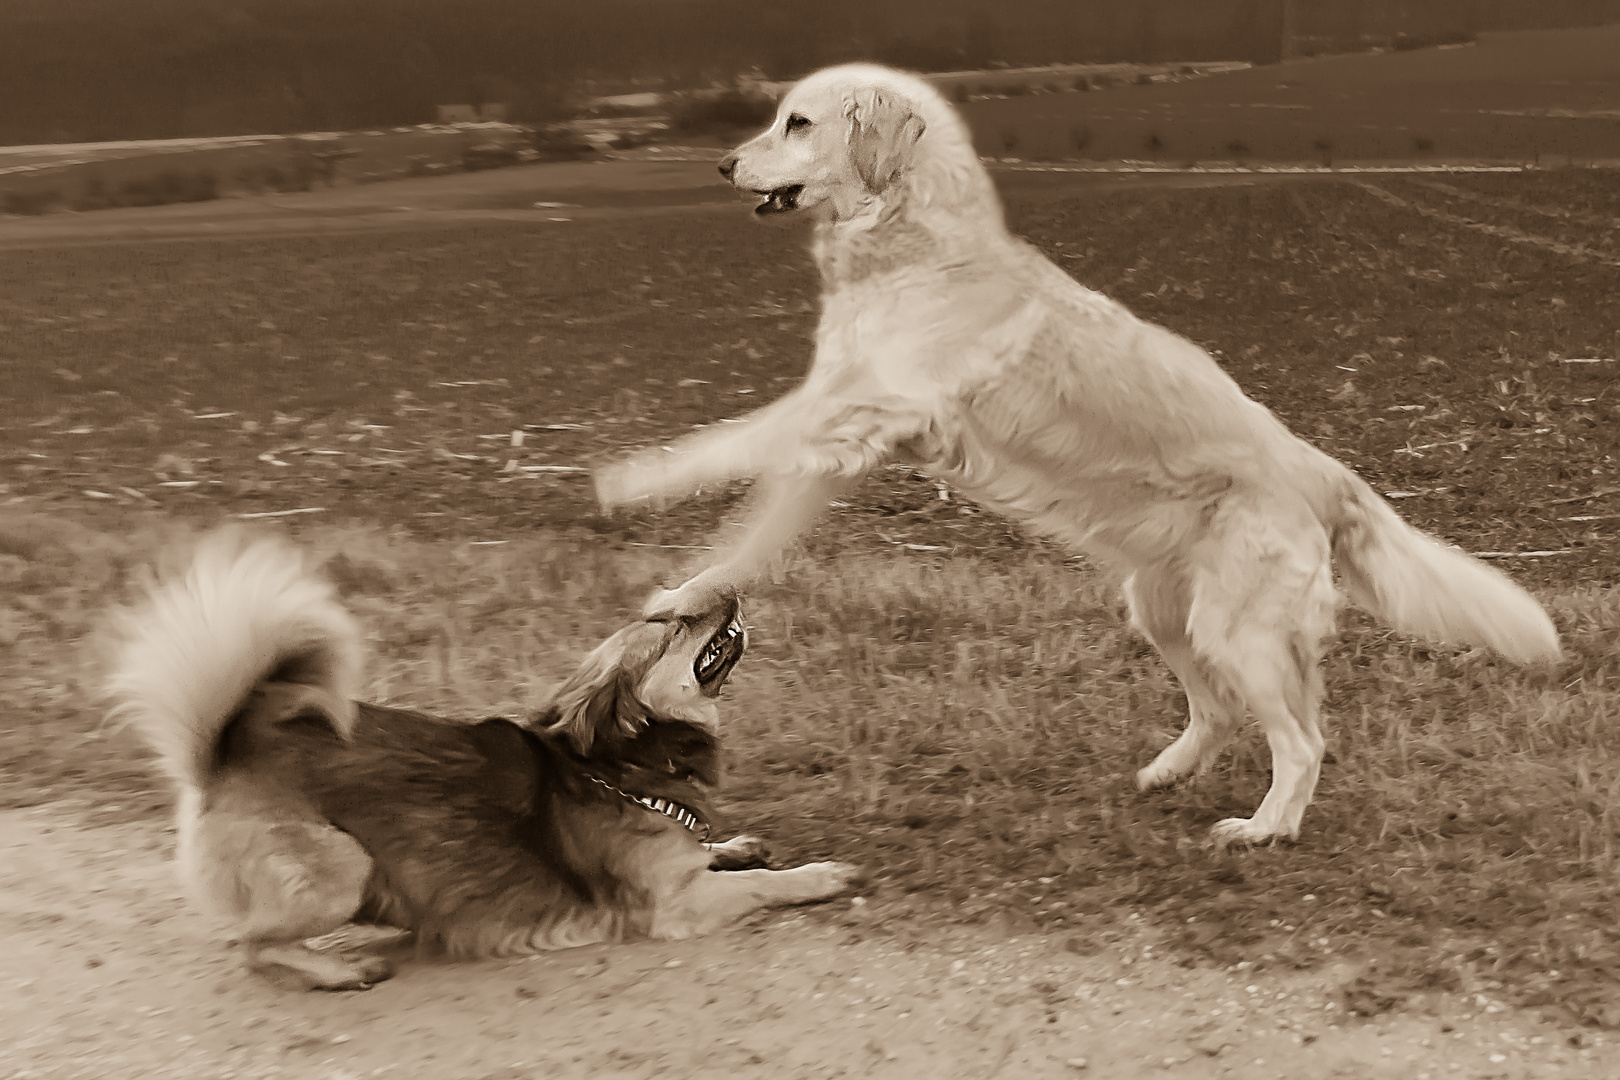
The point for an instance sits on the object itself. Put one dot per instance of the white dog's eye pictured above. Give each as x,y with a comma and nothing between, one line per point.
796,122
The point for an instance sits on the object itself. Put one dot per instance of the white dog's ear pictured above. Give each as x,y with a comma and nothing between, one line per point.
883,132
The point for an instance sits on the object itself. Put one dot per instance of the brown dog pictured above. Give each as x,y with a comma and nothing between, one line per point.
302,811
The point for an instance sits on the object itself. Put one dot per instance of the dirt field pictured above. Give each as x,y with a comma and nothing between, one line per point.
1533,96
931,694
123,981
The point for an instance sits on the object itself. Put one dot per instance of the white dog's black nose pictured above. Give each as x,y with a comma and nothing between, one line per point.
728,163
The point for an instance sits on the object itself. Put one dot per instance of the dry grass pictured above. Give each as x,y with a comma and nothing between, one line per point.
968,729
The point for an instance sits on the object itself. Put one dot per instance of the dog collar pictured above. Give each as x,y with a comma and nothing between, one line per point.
669,808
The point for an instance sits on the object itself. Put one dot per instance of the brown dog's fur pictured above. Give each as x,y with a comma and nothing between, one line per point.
302,811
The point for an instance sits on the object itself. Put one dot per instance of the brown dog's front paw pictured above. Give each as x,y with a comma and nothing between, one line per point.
837,877
739,853
293,966
373,969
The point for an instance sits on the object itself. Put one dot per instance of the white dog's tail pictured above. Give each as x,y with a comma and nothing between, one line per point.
246,611
1423,587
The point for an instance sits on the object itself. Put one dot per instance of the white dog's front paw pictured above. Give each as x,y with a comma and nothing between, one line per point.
1241,830
627,482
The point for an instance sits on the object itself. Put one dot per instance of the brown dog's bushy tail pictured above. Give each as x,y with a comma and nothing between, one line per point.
247,610
1423,587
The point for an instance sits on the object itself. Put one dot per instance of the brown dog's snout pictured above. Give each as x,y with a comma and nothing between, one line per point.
728,163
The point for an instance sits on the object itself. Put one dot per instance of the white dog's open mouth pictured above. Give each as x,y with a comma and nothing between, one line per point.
779,200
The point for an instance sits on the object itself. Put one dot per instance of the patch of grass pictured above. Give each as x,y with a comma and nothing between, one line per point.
964,714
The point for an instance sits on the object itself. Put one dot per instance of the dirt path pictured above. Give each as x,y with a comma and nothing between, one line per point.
530,194
107,973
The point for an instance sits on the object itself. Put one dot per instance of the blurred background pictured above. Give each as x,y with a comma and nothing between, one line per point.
395,276
378,89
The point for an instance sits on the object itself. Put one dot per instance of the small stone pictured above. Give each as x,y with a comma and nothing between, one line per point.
1077,1063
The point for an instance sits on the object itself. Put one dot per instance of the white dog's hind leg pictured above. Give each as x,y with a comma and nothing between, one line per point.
1259,627
1212,717
1296,762
1158,604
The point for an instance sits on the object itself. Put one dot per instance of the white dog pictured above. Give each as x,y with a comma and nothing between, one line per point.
951,344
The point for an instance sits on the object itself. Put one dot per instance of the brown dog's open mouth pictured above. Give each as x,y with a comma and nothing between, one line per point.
780,200
721,654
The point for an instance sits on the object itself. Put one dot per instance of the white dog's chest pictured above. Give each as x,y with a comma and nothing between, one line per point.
1035,462
923,337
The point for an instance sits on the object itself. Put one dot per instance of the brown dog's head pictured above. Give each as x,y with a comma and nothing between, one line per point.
652,670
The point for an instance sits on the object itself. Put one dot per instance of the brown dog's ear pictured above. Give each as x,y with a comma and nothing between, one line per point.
883,131
598,702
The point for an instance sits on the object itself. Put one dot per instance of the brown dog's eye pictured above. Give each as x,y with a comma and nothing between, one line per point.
796,122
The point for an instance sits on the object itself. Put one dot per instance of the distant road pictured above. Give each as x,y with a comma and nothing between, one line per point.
678,179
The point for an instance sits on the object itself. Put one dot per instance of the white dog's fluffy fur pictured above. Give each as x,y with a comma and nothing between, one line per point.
949,343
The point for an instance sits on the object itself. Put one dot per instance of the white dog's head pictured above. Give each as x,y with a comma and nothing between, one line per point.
850,136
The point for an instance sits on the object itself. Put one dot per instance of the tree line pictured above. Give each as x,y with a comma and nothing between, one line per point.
88,70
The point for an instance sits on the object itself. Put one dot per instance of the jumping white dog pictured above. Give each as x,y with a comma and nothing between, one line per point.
948,343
